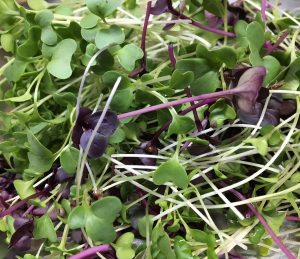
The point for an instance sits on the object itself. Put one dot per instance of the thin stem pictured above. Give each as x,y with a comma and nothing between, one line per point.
277,43
264,9
92,251
178,102
196,117
171,55
197,24
275,238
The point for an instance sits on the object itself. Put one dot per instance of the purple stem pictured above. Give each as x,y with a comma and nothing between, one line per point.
263,9
196,117
88,253
275,238
197,24
171,55
20,204
143,42
277,43
179,102
184,112
292,218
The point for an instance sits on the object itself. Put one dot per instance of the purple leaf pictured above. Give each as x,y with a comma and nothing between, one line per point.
161,6
61,176
248,88
271,116
21,239
108,126
98,146
77,129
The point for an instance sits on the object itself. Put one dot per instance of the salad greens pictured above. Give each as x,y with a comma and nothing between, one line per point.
159,129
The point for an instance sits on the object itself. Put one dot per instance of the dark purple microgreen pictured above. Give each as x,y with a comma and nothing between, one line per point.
98,146
274,47
61,176
160,7
108,126
147,148
21,239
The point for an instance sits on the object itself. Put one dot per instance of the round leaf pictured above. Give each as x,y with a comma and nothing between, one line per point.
106,37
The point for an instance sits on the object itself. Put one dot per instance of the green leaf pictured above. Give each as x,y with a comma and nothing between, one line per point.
182,248
44,20
219,56
89,21
255,35
15,71
117,137
171,171
24,188
77,217
214,6
103,8
40,158
44,228
30,47
69,159
275,221
37,4
260,144
8,42
198,66
122,100
180,125
107,208
145,223
58,66
273,139
273,68
180,79
112,35
123,246
240,30
207,83
220,112
128,55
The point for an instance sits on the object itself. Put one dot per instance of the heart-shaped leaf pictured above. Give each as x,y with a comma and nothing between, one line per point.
112,35
103,8
123,246
40,158
180,79
208,83
77,217
171,171
69,159
24,188
220,112
44,20
260,144
180,125
44,228
128,55
30,47
58,66
107,208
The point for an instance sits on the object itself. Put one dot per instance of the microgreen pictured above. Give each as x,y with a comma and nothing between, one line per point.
149,129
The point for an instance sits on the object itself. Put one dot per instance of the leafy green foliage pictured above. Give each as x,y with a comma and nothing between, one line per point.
103,8
123,246
44,20
171,171
24,188
106,37
68,159
44,229
97,219
220,112
59,67
180,79
128,56
207,83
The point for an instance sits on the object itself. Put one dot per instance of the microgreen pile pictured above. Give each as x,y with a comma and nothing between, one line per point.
149,129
